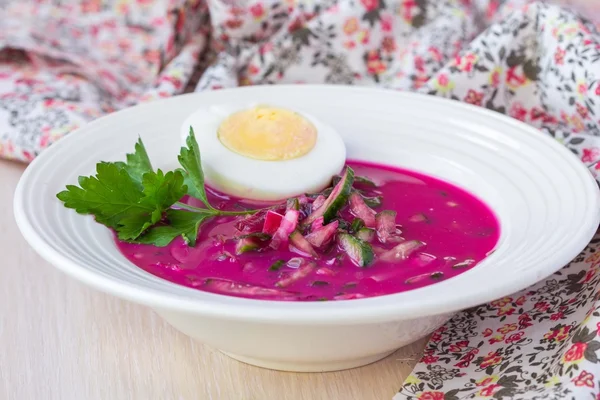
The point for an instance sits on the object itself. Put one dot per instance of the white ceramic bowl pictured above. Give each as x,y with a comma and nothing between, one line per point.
547,203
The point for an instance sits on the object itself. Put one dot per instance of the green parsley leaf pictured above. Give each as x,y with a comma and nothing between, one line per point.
190,160
115,200
161,191
138,163
180,223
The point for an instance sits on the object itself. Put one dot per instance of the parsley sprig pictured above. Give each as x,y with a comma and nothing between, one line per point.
142,205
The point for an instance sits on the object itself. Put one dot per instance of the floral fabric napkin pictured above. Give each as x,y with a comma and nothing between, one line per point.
536,61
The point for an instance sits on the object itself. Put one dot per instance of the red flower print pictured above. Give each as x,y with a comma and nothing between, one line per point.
559,56
495,78
590,274
429,359
584,379
419,63
489,390
487,332
474,97
386,22
295,25
577,123
374,64
598,89
233,23
559,334
351,26
431,396
536,114
501,302
507,328
496,339
370,5
437,55
443,80
520,301
257,10
517,111
388,44
582,88
583,111
436,337
541,306
465,62
575,352
350,44
485,381
515,337
493,358
557,316
253,69
507,310
364,36
465,360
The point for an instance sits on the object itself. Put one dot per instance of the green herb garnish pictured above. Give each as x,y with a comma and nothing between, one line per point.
141,204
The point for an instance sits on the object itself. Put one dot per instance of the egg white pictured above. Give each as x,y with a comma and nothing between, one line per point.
240,176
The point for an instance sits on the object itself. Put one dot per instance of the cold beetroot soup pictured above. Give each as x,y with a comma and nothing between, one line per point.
396,230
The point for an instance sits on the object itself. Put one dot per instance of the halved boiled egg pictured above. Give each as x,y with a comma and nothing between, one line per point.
260,152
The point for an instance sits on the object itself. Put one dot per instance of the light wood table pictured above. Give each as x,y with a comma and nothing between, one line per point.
62,340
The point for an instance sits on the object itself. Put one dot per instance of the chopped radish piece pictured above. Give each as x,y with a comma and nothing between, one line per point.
298,274
287,226
326,271
272,222
361,210
419,218
300,245
317,224
386,225
319,201
402,251
322,236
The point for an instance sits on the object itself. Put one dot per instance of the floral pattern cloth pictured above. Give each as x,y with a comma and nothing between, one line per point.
65,63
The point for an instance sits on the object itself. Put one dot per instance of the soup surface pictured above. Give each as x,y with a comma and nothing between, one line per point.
408,231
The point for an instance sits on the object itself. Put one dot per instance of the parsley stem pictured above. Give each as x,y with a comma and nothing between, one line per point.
212,211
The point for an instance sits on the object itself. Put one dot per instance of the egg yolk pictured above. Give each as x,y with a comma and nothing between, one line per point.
268,134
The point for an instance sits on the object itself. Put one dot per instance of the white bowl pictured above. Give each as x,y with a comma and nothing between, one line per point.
547,203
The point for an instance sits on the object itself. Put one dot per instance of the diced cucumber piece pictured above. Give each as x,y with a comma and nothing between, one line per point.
357,224
366,234
276,266
360,252
335,201
303,246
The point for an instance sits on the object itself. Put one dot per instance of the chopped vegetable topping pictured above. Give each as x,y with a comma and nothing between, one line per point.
298,274
301,245
361,210
419,218
323,235
463,264
335,201
276,266
272,222
402,251
360,252
287,226
386,225
366,234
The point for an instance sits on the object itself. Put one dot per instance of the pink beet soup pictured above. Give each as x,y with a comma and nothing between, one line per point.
415,231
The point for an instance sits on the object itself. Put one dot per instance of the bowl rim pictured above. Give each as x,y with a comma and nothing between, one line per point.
362,310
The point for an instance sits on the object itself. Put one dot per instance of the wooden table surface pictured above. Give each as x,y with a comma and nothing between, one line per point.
62,340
